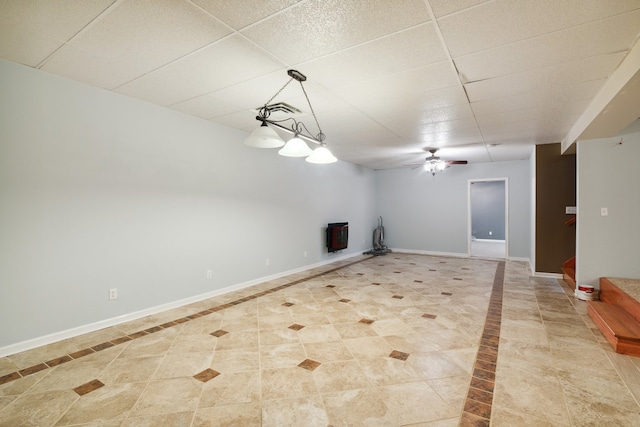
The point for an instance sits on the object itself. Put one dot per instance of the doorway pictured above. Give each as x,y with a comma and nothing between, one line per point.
488,218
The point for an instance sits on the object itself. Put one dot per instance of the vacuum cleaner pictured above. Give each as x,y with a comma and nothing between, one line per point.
378,241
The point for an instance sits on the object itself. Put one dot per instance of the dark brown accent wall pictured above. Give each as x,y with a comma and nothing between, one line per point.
555,189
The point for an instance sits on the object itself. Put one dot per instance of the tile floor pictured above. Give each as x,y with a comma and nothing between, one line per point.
395,340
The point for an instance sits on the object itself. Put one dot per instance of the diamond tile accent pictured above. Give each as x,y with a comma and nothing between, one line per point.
344,300
88,387
429,316
376,283
219,333
400,355
447,293
366,321
296,327
309,364
397,296
418,281
206,375
330,286
288,304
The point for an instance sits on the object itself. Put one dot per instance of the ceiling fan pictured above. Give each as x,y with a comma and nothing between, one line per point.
434,164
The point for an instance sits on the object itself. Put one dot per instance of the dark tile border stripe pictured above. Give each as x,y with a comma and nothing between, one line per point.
477,406
108,344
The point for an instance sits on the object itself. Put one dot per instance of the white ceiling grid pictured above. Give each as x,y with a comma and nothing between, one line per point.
483,80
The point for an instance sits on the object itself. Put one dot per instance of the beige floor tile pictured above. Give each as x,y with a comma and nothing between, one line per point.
305,411
387,370
228,361
176,419
167,396
434,365
287,383
122,371
39,409
340,376
357,408
324,352
103,404
366,347
281,356
182,365
407,402
232,388
240,415
318,333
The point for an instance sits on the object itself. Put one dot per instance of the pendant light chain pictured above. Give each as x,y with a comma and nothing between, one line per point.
321,136
278,93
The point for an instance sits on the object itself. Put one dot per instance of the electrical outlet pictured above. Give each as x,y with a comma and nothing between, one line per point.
305,254
604,211
491,233
267,262
113,293
209,274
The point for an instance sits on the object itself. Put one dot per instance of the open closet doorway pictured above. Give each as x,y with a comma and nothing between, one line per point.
488,218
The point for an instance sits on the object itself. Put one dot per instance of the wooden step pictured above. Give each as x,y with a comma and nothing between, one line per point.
619,328
569,275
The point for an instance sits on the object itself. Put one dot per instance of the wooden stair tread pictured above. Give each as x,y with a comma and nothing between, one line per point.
619,322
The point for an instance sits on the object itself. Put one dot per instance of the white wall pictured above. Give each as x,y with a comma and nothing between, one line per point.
608,176
430,213
100,191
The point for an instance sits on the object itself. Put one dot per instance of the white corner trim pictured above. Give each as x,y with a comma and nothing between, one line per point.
92,327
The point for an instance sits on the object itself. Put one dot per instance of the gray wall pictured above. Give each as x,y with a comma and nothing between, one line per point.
100,191
608,177
430,213
487,210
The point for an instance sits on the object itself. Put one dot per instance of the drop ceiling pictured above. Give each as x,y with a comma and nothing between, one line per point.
481,80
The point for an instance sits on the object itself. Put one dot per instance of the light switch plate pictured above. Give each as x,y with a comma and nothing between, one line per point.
570,210
604,212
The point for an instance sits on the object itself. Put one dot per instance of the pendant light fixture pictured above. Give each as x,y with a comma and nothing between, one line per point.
266,137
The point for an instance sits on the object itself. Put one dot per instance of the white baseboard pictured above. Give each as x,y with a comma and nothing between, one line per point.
434,253
547,275
92,327
489,240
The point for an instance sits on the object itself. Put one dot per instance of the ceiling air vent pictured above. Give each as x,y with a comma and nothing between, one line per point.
281,111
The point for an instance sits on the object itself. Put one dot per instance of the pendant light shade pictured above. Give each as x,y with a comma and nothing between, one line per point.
295,147
264,137
321,155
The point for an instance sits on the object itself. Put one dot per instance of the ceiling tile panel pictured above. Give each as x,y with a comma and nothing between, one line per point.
240,13
58,19
446,7
412,48
219,65
23,45
411,83
380,76
606,36
206,106
136,37
319,27
85,67
567,73
502,22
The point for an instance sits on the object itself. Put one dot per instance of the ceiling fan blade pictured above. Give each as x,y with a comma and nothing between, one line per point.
456,162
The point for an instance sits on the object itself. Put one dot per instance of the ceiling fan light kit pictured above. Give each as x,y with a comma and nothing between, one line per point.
435,164
266,137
